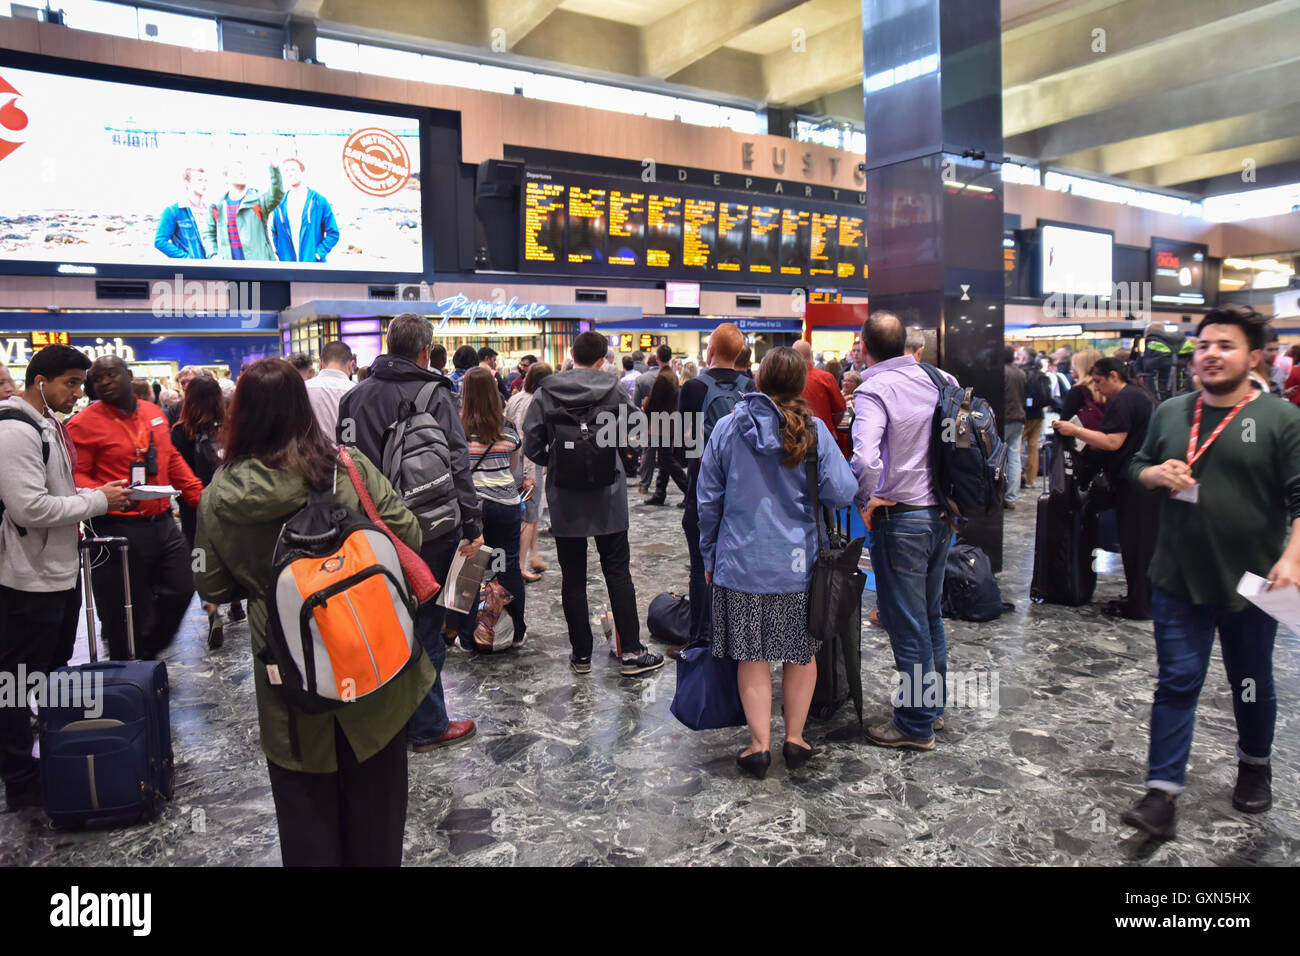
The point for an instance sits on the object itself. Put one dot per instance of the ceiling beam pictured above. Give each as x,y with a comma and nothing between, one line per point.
515,18
1250,158
673,43
829,61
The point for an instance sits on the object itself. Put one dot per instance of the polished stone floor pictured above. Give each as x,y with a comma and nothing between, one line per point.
595,771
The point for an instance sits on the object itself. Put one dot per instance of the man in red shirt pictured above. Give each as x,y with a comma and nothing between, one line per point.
821,391
121,436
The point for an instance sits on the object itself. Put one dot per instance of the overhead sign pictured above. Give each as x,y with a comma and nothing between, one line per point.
41,339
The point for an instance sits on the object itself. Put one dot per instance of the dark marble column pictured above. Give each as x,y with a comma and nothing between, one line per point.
933,104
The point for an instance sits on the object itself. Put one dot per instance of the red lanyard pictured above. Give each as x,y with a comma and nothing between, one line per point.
1193,453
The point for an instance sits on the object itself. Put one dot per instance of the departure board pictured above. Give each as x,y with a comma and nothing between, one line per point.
823,243
733,230
587,224
852,248
663,241
626,228
764,239
699,232
543,221
575,223
795,230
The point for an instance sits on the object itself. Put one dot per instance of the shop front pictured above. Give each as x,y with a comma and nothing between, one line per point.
153,349
688,336
514,329
833,328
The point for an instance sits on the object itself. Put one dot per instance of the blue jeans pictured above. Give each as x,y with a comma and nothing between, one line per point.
1184,637
908,552
430,721
500,530
1012,433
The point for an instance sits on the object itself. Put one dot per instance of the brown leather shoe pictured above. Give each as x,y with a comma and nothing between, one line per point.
458,731
888,735
938,724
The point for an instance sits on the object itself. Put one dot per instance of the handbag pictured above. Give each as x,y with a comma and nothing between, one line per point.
837,582
423,584
708,694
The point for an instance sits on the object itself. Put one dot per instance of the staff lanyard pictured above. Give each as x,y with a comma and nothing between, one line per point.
1193,453
139,438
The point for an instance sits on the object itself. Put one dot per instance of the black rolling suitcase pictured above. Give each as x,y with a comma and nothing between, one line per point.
111,764
1065,536
832,687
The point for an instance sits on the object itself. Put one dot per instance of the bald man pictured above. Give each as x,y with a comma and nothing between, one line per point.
821,391
703,399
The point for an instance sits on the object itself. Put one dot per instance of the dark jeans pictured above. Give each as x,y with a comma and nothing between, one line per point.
500,530
162,584
430,721
1138,514
669,467
700,594
355,816
34,634
1184,638
614,557
908,551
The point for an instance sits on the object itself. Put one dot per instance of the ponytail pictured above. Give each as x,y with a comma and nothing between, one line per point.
797,434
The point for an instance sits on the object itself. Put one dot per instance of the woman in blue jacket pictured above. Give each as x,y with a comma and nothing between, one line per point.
758,537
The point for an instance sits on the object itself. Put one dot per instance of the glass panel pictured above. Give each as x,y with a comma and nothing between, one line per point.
197,33
337,54
115,19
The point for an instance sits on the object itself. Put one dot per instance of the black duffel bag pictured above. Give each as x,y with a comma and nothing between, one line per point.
669,618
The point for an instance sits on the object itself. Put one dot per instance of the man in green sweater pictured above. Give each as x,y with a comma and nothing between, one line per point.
1228,458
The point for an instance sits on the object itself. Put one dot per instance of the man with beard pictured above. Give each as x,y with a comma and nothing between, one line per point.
236,227
1228,461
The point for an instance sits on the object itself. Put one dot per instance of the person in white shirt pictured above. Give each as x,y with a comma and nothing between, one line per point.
326,390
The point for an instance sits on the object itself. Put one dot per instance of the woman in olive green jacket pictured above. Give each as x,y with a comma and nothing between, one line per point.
342,799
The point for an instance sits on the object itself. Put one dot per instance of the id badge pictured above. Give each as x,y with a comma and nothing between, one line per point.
1190,495
137,473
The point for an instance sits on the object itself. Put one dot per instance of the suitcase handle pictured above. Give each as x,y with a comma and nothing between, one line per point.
122,544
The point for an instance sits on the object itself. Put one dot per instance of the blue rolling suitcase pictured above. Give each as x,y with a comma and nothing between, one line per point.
111,763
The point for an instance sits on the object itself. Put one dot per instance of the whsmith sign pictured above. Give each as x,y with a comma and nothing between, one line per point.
20,351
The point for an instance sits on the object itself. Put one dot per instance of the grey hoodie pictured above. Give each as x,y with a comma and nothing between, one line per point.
42,498
577,514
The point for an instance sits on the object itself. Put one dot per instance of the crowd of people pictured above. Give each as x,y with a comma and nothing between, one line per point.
490,447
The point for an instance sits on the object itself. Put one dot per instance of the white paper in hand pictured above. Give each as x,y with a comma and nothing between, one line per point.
150,492
1282,603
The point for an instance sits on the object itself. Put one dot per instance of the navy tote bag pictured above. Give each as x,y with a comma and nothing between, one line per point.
707,697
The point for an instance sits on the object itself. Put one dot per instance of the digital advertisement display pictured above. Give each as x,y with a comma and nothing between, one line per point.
1178,271
592,225
1076,262
118,174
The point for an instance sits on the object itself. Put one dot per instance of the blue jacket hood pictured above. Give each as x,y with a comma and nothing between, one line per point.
759,423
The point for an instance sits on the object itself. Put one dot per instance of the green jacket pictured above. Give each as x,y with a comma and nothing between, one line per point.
240,517
252,219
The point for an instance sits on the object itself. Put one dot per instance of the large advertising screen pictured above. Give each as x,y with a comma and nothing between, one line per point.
1076,262
120,174
1178,271
574,223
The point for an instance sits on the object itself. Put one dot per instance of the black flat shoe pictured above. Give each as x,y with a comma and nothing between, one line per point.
796,756
756,763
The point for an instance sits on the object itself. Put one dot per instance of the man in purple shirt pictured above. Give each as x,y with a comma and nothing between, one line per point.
894,409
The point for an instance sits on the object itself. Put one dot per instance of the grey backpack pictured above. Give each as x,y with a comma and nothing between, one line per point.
417,461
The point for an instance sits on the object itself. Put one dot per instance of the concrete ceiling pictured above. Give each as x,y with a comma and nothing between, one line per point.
1166,93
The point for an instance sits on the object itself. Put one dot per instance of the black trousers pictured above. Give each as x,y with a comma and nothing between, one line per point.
355,816
615,556
669,467
701,594
646,475
1138,513
162,584
34,634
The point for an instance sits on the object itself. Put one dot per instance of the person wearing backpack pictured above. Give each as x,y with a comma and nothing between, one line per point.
197,436
567,430
895,407
41,508
707,399
339,776
1038,398
759,560
431,464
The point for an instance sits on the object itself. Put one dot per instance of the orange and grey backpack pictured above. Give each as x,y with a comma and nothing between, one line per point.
341,615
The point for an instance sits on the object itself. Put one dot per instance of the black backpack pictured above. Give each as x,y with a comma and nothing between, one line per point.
968,458
720,399
970,592
1039,388
417,462
13,415
578,460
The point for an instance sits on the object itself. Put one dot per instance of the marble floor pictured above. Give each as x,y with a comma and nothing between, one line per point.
595,771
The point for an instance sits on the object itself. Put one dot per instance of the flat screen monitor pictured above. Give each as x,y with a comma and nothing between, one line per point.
681,295
1178,272
100,174
1075,261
